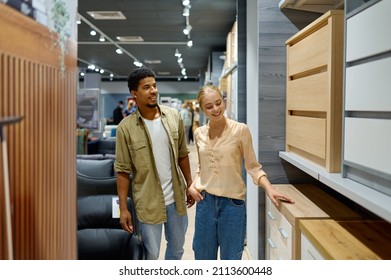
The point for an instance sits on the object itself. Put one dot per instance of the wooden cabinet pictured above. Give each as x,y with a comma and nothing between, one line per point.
283,240
345,240
314,91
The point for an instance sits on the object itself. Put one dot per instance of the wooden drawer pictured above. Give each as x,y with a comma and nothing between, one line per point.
276,247
366,32
307,136
314,91
349,240
283,237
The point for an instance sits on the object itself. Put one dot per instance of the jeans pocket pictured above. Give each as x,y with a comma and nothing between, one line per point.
237,202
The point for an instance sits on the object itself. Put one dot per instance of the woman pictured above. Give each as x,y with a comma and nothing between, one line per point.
218,186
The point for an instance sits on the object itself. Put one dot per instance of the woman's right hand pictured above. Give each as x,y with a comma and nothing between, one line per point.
195,194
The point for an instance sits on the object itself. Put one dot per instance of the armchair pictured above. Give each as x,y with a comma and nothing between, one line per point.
99,235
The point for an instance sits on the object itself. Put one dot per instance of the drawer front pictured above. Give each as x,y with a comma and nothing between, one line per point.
307,134
366,32
308,250
273,216
368,86
367,143
277,248
310,53
284,235
308,93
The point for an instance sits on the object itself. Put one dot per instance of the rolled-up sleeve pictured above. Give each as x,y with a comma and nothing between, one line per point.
122,153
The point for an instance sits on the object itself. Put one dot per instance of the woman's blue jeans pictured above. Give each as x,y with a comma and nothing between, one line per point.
174,230
219,222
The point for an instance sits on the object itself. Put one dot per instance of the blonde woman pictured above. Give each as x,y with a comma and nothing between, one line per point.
218,187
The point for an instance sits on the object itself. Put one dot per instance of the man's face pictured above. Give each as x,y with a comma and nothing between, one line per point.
146,93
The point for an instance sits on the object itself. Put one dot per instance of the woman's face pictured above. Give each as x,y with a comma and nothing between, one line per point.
213,105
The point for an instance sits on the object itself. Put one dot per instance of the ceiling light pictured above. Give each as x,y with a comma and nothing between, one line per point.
185,2
186,12
108,15
92,66
101,71
177,53
93,33
186,31
138,63
111,75
180,60
130,38
119,51
190,43
102,39
183,71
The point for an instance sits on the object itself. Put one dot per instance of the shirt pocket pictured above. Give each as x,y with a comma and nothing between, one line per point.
139,153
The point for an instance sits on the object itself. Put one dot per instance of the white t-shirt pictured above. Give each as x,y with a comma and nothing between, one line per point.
161,153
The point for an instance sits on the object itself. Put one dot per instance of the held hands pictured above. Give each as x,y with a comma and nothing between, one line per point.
126,221
194,193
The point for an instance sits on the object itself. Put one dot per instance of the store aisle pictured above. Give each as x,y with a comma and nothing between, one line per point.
188,254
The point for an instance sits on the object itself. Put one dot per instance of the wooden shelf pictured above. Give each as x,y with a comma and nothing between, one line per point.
375,201
317,6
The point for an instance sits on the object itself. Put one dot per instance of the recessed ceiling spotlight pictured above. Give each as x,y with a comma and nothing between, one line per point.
102,39
93,33
190,43
119,51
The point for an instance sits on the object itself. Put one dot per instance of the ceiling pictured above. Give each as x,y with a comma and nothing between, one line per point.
160,24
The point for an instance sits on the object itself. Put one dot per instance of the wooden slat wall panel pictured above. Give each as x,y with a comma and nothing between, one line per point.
42,147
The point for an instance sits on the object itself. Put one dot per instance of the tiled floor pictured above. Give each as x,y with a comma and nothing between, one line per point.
188,254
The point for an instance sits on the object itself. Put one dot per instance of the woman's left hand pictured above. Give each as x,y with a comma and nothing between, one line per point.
275,196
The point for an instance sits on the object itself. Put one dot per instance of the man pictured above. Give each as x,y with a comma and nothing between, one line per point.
118,113
186,117
151,145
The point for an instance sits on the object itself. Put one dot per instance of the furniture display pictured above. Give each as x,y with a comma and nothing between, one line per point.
345,240
367,110
362,171
104,146
99,233
314,91
282,222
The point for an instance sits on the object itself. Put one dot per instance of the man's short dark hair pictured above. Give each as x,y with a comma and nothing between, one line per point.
138,74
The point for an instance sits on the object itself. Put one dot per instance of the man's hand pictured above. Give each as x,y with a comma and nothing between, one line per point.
126,221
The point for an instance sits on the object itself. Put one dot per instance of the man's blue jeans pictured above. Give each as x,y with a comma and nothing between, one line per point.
174,230
219,222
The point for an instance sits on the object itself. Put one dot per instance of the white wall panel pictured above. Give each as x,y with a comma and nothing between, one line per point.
367,143
368,86
368,32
